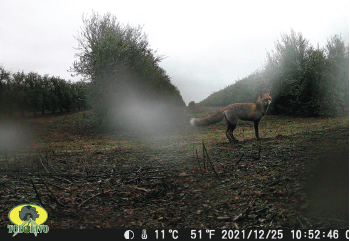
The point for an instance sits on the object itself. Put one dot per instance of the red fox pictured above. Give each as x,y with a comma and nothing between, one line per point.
243,111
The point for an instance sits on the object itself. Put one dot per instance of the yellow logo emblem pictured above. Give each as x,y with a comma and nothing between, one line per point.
24,212
28,218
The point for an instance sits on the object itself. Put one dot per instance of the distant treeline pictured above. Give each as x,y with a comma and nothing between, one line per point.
21,92
304,80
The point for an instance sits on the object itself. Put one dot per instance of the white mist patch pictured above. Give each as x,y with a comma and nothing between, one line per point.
13,136
141,116
144,114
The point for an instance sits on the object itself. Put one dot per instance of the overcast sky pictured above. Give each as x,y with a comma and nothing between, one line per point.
209,44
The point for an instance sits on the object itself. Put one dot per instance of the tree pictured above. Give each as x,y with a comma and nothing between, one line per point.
286,68
19,92
54,90
312,88
192,104
34,90
305,81
82,89
123,69
337,86
5,90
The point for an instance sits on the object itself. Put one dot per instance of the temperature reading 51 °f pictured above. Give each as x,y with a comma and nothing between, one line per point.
173,233
197,234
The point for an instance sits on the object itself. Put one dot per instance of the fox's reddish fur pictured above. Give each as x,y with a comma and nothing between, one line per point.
232,113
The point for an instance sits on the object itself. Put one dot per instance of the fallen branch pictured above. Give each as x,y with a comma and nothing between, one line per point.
36,192
62,188
300,222
333,219
308,222
140,188
239,160
210,160
338,220
62,179
203,154
43,164
53,195
101,193
49,164
199,164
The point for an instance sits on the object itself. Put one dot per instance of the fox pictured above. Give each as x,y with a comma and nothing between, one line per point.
233,112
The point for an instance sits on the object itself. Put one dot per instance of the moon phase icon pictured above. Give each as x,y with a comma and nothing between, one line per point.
129,234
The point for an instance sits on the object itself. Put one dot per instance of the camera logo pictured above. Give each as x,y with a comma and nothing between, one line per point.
28,218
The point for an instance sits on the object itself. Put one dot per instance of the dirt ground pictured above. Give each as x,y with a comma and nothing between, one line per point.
328,187
295,180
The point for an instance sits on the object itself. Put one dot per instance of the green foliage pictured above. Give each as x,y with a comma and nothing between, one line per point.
305,81
244,90
191,104
20,92
123,69
337,75
33,84
286,73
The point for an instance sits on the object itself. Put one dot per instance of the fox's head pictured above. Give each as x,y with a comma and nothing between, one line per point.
265,99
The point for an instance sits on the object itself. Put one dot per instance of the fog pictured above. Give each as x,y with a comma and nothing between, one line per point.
14,136
209,45
126,104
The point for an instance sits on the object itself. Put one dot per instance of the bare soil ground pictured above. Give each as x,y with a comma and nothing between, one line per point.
297,176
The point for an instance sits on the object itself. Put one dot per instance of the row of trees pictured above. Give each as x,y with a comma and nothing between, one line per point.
126,87
21,92
304,80
124,72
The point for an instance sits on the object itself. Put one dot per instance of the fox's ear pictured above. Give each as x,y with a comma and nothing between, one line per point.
260,94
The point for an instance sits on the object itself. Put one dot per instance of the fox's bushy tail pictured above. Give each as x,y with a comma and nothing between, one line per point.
209,120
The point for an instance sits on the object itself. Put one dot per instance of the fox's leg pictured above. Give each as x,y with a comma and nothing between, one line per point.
229,131
231,126
256,127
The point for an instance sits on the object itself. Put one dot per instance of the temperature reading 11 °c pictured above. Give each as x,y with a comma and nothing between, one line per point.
161,234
